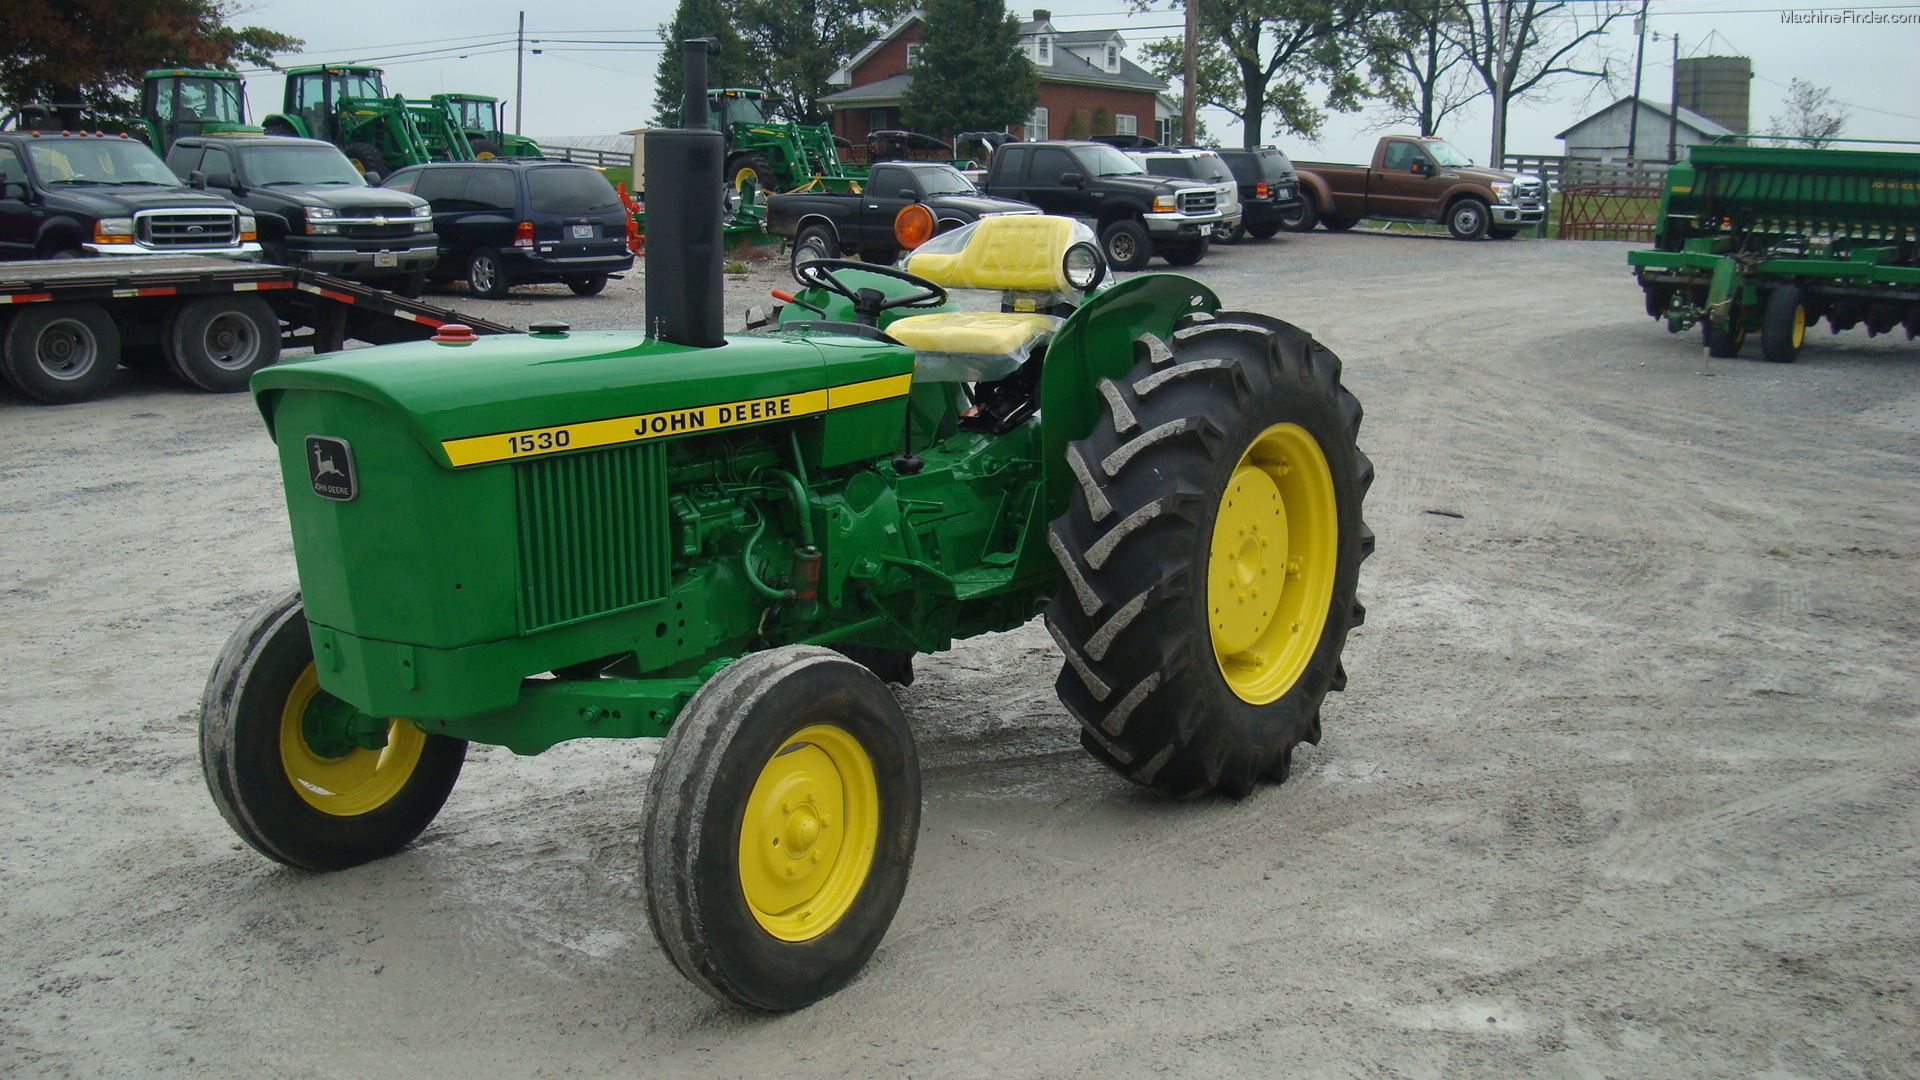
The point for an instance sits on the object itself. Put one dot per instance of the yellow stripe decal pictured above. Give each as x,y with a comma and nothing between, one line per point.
533,442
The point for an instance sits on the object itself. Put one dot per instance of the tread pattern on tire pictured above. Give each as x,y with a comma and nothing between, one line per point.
1141,508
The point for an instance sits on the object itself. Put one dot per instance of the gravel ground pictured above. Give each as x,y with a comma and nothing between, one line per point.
1624,782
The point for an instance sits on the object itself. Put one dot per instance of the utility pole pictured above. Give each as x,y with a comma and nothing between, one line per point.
519,71
1639,55
1192,92
1673,108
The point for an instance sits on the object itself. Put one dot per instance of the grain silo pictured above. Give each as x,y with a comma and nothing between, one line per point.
1718,88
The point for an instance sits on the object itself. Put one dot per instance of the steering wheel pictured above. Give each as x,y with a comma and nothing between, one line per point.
869,303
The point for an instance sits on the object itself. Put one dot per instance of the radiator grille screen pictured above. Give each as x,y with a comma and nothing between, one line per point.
593,533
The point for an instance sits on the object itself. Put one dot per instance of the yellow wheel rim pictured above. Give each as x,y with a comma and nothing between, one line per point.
807,840
1270,566
357,783
1799,324
485,155
741,178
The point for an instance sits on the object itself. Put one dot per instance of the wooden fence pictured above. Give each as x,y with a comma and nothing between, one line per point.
600,158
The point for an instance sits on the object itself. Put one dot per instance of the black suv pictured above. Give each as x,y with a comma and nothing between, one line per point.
1269,187
504,223
314,208
63,196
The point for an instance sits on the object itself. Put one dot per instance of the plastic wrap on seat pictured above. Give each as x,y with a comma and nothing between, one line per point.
971,346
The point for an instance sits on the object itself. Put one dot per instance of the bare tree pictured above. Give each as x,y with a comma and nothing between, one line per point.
1431,77
1813,117
1522,47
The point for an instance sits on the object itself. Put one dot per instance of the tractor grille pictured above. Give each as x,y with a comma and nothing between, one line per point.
186,228
1198,201
593,533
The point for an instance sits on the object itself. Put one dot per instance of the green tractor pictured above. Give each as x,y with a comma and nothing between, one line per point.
773,155
477,117
734,542
187,101
348,106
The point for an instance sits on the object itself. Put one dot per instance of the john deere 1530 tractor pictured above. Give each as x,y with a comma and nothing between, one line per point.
731,541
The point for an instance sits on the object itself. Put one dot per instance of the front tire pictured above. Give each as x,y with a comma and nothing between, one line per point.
755,168
1212,548
61,353
780,827
326,808
1126,245
1724,343
486,277
1468,219
1783,326
1188,252
366,157
1223,233
1300,218
590,285
217,342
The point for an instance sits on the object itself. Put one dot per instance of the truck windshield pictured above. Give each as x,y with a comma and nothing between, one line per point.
98,161
1444,154
269,165
1103,160
945,181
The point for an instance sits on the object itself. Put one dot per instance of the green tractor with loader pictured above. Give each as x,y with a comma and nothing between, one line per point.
347,105
477,118
733,542
774,155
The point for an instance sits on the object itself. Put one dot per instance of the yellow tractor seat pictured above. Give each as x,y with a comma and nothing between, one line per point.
1019,253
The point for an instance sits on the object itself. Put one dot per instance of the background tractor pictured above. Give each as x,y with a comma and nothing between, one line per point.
348,106
731,541
477,118
774,155
184,101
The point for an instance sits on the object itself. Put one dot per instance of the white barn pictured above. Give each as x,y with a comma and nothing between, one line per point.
1603,136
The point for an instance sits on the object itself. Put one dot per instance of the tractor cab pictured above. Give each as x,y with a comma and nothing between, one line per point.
476,118
181,102
736,105
316,95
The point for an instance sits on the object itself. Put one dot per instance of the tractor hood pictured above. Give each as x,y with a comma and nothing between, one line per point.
511,397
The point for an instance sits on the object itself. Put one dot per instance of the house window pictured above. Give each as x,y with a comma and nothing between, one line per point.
913,53
1043,50
1126,124
1113,58
1037,124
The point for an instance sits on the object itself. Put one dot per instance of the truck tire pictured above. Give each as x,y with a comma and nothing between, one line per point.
1126,244
815,242
486,275
1222,233
1337,223
587,284
1301,218
1220,469
780,826
1265,230
1467,219
757,168
366,157
1187,252
217,342
319,809
61,353
1783,326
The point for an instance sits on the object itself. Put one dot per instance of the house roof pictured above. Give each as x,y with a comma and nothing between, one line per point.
1687,117
1066,68
887,91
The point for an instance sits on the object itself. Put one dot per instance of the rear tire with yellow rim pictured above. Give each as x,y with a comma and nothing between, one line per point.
302,776
780,827
1211,553
1783,325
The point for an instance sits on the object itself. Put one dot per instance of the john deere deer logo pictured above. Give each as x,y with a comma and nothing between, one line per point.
330,468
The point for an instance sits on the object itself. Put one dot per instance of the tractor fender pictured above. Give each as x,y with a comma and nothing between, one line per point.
292,120
1101,341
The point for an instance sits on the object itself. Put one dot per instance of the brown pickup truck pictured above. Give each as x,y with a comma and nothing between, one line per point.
1418,179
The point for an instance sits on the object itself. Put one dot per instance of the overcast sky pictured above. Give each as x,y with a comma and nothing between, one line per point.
594,74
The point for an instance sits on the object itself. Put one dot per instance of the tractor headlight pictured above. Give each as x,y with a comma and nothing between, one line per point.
1084,266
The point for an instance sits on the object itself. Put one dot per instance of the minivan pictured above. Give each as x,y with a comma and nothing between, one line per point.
507,222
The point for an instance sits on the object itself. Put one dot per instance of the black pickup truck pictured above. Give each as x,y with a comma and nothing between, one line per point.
823,225
75,195
1136,216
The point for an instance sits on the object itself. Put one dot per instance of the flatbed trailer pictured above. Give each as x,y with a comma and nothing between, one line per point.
67,324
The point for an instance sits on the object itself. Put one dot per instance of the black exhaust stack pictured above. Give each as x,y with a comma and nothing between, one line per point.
685,217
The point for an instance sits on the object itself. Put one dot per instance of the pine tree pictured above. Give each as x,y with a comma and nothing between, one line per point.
972,74
728,63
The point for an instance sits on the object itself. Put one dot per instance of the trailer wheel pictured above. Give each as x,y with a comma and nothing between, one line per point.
1467,219
780,826
1126,244
291,767
587,284
486,277
61,353
218,342
1211,551
1301,218
1783,326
